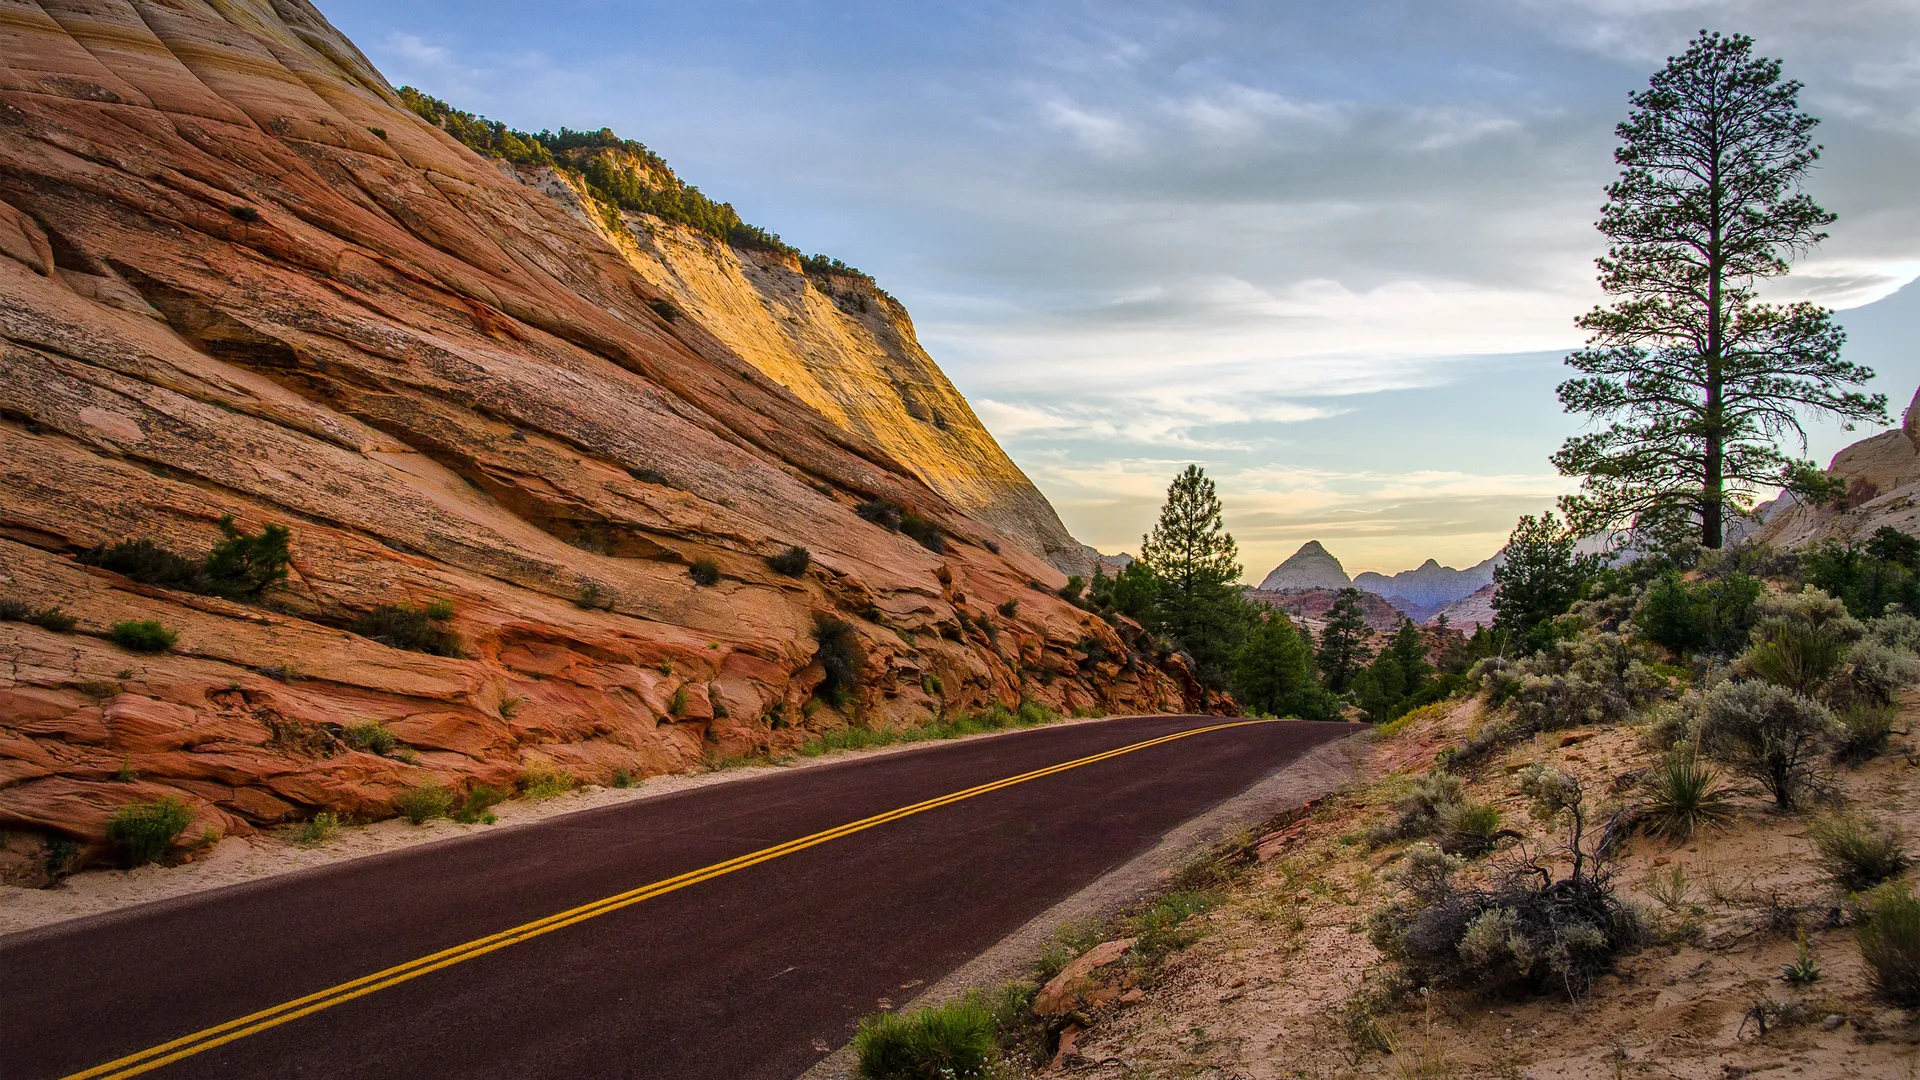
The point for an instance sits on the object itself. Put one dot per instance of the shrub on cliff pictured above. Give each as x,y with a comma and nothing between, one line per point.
416,629
47,618
240,567
838,652
141,832
142,636
150,564
792,562
704,572
924,531
244,565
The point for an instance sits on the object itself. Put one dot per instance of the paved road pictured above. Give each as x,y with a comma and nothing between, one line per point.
752,973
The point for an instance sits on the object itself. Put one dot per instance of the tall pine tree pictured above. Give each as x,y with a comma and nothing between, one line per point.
1343,641
1696,378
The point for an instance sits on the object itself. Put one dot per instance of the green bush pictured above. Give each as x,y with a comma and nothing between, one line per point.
422,804
1857,854
142,636
1469,829
792,562
150,564
1705,617
416,629
1009,608
1871,674
1868,577
1890,943
1765,732
1863,732
319,830
143,831
478,805
1799,640
839,653
1684,796
956,1041
47,618
243,565
542,782
704,572
372,737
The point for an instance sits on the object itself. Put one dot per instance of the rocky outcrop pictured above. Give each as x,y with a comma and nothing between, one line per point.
843,346
238,278
1312,567
1882,474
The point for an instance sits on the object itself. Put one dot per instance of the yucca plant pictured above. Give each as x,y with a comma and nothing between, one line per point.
1684,796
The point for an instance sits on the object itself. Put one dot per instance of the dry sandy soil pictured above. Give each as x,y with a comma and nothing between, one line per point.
1265,993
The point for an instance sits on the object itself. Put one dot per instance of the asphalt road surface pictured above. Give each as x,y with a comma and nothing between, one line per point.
737,930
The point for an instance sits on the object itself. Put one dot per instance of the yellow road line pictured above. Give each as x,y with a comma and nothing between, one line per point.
200,1041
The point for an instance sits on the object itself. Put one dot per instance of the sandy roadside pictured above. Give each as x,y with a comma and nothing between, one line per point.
266,854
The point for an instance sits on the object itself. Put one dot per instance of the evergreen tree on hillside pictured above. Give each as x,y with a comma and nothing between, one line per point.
1273,673
1343,641
1543,575
1698,379
1397,674
1196,563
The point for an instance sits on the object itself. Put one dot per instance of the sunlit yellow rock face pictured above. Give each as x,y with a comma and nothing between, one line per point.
848,349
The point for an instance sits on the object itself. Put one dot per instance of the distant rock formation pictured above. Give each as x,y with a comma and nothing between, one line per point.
1423,591
1311,605
1312,567
1418,593
1468,612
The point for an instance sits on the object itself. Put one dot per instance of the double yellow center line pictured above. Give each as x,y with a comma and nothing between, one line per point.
201,1041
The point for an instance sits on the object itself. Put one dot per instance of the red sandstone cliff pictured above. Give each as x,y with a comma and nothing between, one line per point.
237,277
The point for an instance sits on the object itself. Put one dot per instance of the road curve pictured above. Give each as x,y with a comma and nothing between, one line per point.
741,965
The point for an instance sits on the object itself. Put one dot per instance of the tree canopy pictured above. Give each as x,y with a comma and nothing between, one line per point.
1696,378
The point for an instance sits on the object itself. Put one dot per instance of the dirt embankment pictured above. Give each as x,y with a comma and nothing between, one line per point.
1286,982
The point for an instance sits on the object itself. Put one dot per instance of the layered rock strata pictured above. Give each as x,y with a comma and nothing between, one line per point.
238,278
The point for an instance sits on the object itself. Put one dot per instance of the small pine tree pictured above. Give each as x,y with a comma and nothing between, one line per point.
1343,641
1543,575
1196,564
1273,672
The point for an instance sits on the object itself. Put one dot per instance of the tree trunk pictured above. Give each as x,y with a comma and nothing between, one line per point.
1713,483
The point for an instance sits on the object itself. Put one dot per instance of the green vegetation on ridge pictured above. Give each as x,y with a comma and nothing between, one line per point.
619,172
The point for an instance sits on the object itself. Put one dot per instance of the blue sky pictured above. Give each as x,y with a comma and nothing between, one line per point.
1331,251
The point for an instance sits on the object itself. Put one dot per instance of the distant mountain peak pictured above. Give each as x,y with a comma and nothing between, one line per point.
1312,567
